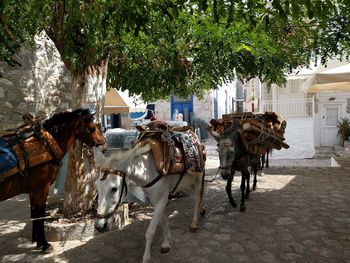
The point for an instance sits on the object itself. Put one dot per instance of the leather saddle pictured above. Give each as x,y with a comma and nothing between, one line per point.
32,145
168,156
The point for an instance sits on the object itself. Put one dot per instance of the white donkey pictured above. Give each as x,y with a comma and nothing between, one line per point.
137,166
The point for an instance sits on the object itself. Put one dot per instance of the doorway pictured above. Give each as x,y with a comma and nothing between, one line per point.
329,119
182,105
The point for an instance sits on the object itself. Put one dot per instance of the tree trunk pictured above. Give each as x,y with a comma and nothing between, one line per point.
88,88
343,135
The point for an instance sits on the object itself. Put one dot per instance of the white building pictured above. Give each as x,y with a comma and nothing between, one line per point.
225,99
312,102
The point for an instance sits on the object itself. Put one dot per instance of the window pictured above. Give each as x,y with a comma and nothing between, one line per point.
295,85
331,117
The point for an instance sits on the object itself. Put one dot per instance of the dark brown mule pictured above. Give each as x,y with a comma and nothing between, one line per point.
65,128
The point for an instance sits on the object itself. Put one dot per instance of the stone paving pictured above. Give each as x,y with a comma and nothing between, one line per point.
297,214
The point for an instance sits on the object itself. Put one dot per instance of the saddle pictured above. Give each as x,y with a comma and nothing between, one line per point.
32,145
170,154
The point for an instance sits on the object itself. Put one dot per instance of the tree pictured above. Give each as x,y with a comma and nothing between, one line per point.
171,47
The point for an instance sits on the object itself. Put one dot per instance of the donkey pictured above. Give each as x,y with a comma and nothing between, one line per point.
233,157
137,166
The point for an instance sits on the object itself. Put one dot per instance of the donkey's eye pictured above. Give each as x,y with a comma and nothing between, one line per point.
92,129
114,189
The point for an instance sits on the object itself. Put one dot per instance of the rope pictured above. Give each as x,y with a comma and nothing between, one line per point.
213,179
167,137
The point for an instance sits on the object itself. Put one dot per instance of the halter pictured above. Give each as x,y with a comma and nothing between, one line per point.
225,167
106,172
83,136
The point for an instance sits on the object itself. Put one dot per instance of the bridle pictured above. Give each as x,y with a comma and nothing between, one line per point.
84,133
106,172
224,145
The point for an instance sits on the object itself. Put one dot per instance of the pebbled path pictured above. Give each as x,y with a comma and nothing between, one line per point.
295,215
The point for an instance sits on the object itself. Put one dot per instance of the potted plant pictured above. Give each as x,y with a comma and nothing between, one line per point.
343,127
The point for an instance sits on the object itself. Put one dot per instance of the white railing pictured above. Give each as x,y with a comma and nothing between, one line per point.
290,108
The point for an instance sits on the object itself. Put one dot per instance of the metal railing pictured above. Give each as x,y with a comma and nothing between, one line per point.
290,108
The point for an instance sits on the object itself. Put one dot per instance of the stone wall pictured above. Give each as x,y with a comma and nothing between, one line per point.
202,108
163,110
41,85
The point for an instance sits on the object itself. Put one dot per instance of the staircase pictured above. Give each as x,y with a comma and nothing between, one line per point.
332,151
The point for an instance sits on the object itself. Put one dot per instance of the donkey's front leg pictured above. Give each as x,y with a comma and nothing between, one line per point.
228,189
37,205
255,170
245,176
247,190
159,207
165,247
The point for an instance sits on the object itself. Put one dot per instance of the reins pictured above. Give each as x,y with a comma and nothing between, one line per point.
106,172
215,176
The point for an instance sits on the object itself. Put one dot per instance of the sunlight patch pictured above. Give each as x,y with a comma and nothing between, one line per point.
274,182
13,258
11,226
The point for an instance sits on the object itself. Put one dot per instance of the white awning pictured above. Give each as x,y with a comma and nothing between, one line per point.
114,103
335,79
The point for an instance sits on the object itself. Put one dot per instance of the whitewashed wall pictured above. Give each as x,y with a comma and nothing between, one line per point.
299,136
202,108
41,85
322,99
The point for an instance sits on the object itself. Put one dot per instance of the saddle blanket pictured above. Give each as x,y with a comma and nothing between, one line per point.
191,152
176,152
8,158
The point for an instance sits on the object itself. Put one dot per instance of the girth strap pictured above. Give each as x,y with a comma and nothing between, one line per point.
153,181
160,176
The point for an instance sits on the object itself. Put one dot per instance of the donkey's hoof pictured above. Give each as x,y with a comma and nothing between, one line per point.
193,229
254,187
47,248
242,208
247,195
202,212
233,203
164,250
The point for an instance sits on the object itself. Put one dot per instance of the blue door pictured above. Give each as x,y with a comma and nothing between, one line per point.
182,105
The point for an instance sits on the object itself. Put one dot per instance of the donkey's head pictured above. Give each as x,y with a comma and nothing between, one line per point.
111,184
227,148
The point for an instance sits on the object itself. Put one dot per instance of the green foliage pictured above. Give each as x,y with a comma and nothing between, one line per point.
343,128
343,125
159,48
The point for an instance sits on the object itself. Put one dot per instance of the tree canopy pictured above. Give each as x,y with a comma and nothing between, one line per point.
159,48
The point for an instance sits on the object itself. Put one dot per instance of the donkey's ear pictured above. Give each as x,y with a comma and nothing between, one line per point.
214,123
214,134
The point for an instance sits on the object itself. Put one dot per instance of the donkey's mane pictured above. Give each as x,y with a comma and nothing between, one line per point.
64,117
132,152
231,132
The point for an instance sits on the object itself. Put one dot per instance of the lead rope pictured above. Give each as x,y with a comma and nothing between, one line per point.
215,176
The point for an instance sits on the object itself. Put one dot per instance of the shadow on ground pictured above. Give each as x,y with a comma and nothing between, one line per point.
296,215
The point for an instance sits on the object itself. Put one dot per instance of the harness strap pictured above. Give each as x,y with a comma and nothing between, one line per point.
153,181
178,182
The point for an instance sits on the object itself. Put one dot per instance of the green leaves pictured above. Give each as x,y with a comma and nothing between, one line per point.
159,48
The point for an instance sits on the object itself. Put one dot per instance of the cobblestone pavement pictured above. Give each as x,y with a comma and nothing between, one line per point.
295,215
